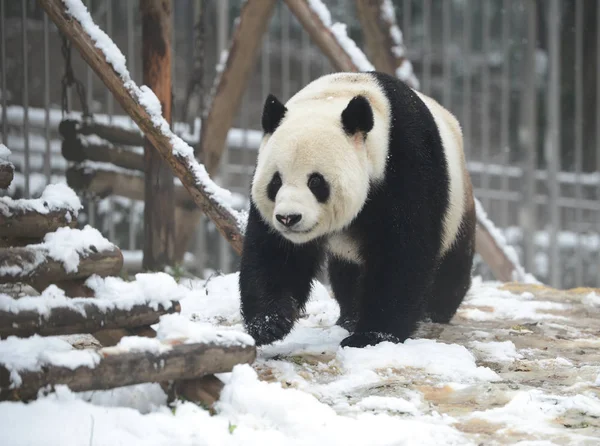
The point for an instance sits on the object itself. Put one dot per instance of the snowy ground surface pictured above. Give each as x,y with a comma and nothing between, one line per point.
518,365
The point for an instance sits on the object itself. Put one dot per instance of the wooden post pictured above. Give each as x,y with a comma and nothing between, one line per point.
159,207
231,84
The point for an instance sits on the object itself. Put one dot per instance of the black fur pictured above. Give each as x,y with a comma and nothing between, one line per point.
275,279
399,230
274,186
358,116
319,187
273,113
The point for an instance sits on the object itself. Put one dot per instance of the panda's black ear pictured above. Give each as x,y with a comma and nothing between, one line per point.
357,116
273,113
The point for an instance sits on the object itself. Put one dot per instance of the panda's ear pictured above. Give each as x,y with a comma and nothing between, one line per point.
273,113
357,116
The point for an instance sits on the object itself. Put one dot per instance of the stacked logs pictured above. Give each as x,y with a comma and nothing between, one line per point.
186,366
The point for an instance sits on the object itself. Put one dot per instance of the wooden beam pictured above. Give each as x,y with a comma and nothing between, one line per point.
383,38
127,96
36,268
159,207
321,34
102,183
116,369
78,150
7,173
232,82
82,317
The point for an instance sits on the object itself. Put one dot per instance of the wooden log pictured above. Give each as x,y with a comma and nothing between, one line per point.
321,34
83,317
78,150
127,96
377,21
182,361
102,183
230,85
7,173
500,266
34,267
30,224
205,390
159,207
70,128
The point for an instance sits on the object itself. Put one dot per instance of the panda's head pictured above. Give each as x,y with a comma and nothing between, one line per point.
312,174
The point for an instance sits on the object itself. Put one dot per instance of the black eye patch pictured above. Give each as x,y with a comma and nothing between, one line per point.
274,186
319,187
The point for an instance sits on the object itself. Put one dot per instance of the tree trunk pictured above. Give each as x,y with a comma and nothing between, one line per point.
159,207
85,317
116,369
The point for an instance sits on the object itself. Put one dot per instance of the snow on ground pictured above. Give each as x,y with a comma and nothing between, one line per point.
511,376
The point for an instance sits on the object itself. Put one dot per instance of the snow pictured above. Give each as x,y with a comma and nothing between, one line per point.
591,300
502,304
303,390
450,361
147,99
31,354
405,69
55,197
496,351
65,245
154,290
339,32
4,152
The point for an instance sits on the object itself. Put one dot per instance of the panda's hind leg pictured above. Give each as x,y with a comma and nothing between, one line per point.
345,278
453,278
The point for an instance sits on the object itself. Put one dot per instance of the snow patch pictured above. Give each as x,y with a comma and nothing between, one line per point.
496,351
450,361
494,303
591,300
176,326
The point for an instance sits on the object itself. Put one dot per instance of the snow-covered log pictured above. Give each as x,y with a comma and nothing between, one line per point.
383,39
330,37
104,57
81,149
65,255
232,81
102,181
151,361
87,316
31,219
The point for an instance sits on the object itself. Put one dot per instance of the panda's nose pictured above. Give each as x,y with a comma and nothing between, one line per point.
288,220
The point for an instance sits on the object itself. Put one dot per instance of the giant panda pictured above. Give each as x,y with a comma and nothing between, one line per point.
360,172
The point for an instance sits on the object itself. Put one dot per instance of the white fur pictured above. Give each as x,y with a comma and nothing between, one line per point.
345,247
310,139
451,136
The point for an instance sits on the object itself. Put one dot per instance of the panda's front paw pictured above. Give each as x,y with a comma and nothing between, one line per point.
362,339
347,322
274,324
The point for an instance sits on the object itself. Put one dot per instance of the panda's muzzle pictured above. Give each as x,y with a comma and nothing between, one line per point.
289,220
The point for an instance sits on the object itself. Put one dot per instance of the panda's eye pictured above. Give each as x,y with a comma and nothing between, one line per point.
319,187
315,181
274,186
